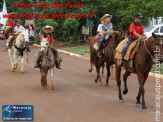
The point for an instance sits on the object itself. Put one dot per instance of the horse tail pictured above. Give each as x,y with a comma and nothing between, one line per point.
92,51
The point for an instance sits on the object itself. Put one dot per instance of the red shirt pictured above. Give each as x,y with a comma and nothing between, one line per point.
51,38
10,23
137,28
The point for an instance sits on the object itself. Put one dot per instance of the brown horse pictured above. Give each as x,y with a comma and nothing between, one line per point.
142,64
93,55
108,55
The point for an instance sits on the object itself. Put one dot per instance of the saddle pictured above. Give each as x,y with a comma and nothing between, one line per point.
97,39
130,53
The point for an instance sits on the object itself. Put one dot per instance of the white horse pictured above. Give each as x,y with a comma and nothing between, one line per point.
19,49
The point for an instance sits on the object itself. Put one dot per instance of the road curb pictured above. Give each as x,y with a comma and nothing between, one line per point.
80,56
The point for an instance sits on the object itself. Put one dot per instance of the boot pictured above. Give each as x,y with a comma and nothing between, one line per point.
37,64
58,63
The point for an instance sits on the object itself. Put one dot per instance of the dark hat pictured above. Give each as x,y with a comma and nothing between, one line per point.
139,16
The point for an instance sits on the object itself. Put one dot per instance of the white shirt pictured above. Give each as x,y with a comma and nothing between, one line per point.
100,27
31,32
18,29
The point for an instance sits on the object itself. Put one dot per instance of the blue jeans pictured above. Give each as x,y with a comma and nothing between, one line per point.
101,42
130,40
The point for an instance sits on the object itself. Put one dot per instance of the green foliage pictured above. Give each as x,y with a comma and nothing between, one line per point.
69,29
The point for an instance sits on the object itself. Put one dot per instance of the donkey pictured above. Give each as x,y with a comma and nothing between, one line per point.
48,60
19,49
143,62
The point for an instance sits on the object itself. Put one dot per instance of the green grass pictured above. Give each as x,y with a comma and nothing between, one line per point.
155,69
81,50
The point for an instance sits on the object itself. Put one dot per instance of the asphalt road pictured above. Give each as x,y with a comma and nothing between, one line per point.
76,98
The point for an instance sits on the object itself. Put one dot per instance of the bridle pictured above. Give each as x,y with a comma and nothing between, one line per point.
153,43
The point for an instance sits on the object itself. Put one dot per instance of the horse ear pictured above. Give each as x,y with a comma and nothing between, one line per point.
154,35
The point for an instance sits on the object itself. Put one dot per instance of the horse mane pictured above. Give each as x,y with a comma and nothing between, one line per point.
8,29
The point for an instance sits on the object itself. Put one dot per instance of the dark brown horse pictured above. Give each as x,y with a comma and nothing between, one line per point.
142,64
93,56
108,55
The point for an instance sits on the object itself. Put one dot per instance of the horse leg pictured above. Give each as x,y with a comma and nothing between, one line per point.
125,76
102,71
98,74
142,78
118,79
108,74
22,64
52,79
15,61
112,71
41,79
91,67
11,59
45,80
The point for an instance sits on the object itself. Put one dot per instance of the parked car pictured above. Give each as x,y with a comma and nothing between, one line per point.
1,32
157,29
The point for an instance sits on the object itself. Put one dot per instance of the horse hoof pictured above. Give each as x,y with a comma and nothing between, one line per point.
144,108
22,72
121,101
106,85
125,91
13,70
138,105
51,91
90,70
95,80
100,84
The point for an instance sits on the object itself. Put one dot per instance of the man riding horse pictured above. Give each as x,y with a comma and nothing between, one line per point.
47,34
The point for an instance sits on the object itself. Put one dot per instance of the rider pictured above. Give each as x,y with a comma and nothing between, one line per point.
136,32
100,27
107,28
47,34
18,29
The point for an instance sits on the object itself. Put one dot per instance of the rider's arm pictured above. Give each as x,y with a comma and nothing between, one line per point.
107,32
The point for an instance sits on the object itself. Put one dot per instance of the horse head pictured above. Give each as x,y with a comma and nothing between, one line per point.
118,37
24,36
45,44
158,46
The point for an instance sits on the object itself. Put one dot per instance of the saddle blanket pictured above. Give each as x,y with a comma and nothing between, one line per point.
130,51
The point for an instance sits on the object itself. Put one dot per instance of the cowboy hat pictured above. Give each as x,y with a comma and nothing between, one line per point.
50,27
107,15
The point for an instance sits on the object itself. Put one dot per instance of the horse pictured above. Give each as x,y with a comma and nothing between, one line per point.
143,61
108,55
93,55
48,60
19,49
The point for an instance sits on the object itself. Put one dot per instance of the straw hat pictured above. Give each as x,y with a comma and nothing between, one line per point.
107,15
50,27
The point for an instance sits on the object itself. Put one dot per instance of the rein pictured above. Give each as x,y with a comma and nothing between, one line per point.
148,50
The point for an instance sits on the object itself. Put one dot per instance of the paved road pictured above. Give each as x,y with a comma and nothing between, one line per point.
76,98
